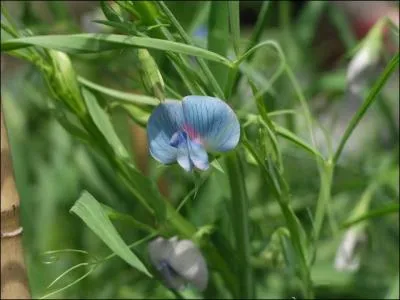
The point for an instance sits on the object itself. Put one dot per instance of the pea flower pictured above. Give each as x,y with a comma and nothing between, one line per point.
179,262
184,131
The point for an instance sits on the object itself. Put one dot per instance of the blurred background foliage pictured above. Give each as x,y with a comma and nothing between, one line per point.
52,168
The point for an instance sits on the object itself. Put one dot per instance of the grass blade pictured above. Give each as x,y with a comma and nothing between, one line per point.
128,98
92,213
189,41
218,28
240,204
103,123
387,209
92,43
234,24
283,132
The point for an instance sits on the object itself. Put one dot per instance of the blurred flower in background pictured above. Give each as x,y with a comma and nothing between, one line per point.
179,262
348,254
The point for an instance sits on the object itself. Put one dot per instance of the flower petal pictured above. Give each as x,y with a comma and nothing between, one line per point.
190,153
164,121
189,263
184,158
198,155
160,250
213,120
171,278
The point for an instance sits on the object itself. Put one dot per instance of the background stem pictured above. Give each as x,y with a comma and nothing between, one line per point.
240,222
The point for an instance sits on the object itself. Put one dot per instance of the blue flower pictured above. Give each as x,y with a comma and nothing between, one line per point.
184,131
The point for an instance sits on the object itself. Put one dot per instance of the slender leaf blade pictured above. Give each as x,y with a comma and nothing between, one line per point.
103,123
128,98
91,43
91,212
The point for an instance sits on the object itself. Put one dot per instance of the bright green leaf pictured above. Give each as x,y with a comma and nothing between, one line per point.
128,98
91,212
90,43
103,123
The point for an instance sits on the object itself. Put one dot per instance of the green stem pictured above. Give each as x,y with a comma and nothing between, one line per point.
189,41
284,19
367,103
259,27
256,35
240,224
326,174
387,209
234,24
232,76
297,234
303,102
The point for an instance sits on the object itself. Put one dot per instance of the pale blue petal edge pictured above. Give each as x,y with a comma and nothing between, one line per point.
183,157
198,155
214,120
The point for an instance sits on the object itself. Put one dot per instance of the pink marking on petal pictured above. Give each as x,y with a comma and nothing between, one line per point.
193,135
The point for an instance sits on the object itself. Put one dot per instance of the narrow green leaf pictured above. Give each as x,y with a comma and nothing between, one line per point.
218,30
90,211
103,123
259,27
283,132
110,13
240,204
394,289
186,38
379,212
234,24
343,26
115,215
308,20
124,27
141,186
146,191
124,97
90,43
215,163
137,114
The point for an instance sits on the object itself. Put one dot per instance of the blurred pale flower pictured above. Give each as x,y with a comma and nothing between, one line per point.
347,256
365,62
179,262
361,67
184,131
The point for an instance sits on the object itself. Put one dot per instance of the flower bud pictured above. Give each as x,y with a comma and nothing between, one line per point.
63,82
151,76
179,262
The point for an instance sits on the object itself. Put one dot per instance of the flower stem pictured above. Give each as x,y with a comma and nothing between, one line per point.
240,224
